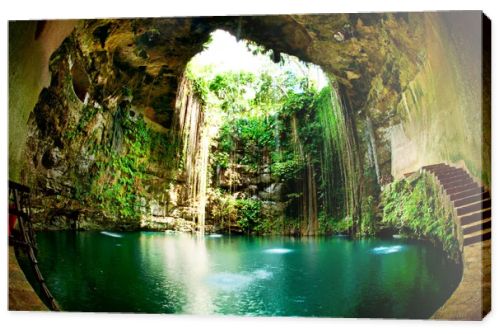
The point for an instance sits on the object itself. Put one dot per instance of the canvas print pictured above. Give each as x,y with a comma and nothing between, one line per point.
313,165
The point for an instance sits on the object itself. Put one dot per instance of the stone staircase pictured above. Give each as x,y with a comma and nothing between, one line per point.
471,201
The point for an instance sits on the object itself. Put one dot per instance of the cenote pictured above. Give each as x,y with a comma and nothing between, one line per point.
156,272
249,165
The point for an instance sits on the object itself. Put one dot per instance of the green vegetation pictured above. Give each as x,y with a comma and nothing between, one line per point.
416,210
120,170
88,113
253,135
249,214
330,225
285,124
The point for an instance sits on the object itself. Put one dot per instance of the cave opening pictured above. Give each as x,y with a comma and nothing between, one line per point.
142,131
264,141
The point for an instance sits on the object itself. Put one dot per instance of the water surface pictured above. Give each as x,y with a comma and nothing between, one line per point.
326,277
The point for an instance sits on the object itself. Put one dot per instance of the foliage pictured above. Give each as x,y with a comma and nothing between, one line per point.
415,209
272,120
117,183
288,168
249,213
88,113
252,135
226,208
298,103
330,225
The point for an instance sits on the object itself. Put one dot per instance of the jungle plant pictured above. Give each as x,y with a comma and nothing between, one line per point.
249,213
416,210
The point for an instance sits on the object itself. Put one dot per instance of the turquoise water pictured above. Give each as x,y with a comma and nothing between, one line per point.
324,277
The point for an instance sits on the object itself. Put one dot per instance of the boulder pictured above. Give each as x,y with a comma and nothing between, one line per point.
272,193
156,209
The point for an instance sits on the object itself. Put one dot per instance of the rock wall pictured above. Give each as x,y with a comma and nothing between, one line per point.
91,155
30,45
244,186
443,116
114,83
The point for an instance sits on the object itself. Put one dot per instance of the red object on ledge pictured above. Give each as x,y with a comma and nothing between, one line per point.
12,220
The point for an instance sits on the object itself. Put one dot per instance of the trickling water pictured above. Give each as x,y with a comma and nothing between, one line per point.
309,203
337,171
310,200
202,172
195,150
338,154
372,148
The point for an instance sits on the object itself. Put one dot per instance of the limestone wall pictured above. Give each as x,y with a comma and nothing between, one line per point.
31,44
418,74
443,119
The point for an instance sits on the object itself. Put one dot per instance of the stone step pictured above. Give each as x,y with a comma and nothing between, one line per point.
452,178
465,194
471,199
457,183
446,172
455,179
475,217
462,184
477,238
478,206
478,232
460,189
450,175
478,227
472,202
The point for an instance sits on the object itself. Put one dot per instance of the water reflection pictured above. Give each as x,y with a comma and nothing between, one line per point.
387,249
277,251
187,261
157,272
110,234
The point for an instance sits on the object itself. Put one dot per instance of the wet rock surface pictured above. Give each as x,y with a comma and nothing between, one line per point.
110,76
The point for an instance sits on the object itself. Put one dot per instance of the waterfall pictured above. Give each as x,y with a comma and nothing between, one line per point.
372,149
201,182
309,204
310,198
193,151
338,167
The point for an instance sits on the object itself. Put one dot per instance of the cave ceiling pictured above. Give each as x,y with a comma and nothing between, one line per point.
371,56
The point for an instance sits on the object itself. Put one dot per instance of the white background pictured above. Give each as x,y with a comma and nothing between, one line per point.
145,324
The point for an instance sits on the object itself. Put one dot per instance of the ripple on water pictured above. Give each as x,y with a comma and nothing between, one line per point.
387,249
277,250
215,235
236,281
109,234
262,274
229,281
